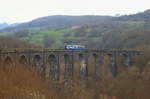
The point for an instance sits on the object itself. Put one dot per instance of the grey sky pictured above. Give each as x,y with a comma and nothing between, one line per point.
26,10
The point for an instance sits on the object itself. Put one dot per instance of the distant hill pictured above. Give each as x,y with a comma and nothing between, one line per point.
59,22
3,25
101,32
65,21
142,16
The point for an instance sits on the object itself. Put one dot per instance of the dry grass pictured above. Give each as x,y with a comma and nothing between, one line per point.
22,83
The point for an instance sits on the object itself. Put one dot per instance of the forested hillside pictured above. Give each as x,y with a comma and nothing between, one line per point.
141,16
101,32
7,42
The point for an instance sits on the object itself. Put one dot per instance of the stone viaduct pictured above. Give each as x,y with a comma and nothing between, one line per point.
47,61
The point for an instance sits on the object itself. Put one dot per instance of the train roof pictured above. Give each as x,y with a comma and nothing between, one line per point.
71,42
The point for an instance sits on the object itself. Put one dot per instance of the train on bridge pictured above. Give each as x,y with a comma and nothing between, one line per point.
74,45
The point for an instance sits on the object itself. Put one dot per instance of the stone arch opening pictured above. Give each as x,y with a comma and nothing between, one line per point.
97,65
66,57
113,64
8,64
53,67
81,56
0,61
37,60
68,67
95,55
23,60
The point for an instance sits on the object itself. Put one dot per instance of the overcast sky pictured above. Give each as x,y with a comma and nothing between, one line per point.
25,10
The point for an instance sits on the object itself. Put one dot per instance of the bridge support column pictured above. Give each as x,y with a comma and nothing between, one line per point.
128,60
84,66
113,64
8,64
38,64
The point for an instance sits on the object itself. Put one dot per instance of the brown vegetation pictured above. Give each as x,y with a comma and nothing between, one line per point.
7,42
23,83
131,83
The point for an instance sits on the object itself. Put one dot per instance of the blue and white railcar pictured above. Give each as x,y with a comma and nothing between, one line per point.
75,47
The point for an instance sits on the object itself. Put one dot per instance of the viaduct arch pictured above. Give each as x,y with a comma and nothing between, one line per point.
47,61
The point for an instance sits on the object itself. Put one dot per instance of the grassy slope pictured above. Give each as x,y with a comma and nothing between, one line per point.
37,36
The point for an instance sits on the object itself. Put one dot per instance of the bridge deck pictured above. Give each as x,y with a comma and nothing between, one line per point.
64,50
